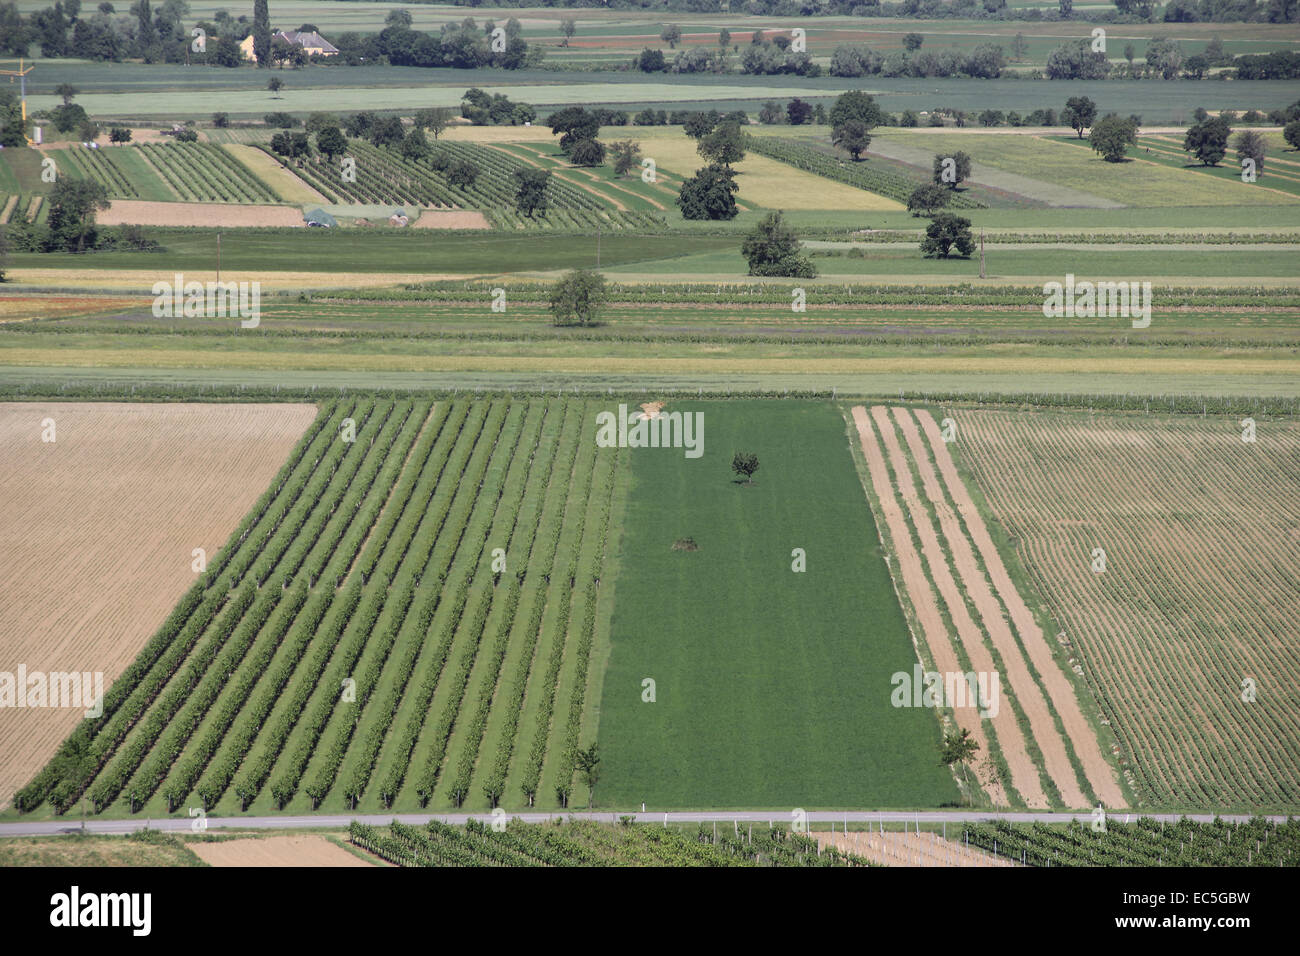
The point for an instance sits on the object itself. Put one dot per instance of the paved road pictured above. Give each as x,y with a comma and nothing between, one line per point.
826,817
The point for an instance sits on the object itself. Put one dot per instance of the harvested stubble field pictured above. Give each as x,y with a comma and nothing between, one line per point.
973,618
98,529
1194,612
138,212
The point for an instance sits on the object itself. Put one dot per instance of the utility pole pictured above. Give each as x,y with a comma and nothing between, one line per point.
981,252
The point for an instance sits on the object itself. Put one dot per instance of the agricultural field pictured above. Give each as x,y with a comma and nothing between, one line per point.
593,844
1169,573
374,580
167,478
430,565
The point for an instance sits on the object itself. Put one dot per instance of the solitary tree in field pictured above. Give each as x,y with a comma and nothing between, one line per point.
577,297
912,41
568,27
530,193
1019,47
1112,136
952,170
589,763
627,156
725,146
958,748
744,464
772,249
66,91
120,134
946,232
435,119
1079,113
1249,144
331,142
1208,140
672,35
275,85
927,199
852,137
709,194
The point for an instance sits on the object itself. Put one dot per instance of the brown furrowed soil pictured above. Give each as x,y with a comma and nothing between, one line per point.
141,212
1187,637
98,531
1101,777
919,594
975,586
306,849
1011,739
908,849
451,219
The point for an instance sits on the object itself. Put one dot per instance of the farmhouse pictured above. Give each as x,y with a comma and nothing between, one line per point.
311,42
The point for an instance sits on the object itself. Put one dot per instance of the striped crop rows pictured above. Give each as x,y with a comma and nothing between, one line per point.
1185,635
405,618
591,844
98,165
204,172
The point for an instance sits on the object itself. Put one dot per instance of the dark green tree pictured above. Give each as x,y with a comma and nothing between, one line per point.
945,232
74,204
1111,136
262,33
577,297
1079,113
744,464
1208,140
852,137
530,191
772,249
709,194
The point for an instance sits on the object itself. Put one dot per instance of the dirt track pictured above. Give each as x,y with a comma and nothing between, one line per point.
1017,677
919,593
1100,775
308,849
98,529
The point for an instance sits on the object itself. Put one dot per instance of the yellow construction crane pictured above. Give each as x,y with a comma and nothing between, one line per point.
22,80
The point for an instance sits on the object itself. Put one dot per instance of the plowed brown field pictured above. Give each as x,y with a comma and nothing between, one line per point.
98,529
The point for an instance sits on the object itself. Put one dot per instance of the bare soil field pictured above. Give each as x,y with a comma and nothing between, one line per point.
908,849
451,219
140,212
1187,637
306,849
98,531
74,849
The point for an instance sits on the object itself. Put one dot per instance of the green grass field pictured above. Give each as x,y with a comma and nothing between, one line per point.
772,686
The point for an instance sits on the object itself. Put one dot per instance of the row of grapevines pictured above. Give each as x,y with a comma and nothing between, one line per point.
350,650
537,754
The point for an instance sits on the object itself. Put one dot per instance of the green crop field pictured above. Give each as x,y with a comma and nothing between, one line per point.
725,632
447,560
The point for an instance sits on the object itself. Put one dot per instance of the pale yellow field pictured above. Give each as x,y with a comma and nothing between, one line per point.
498,134
763,182
273,173
1285,368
